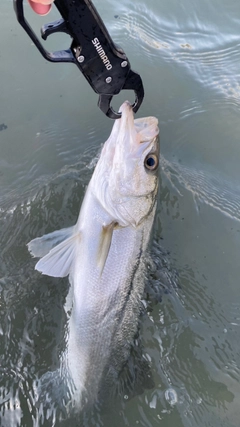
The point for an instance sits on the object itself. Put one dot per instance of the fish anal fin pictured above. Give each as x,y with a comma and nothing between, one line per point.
105,244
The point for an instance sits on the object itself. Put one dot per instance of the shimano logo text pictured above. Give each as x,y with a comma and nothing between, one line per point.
101,53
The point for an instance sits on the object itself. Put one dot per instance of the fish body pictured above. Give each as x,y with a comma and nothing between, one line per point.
102,254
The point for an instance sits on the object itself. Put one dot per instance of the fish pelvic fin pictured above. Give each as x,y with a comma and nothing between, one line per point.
105,244
58,260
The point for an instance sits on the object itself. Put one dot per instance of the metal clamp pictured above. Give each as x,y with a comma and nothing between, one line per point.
103,64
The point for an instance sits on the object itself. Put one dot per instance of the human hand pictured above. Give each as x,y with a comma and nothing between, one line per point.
42,7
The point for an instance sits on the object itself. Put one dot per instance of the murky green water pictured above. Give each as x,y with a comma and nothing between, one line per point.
188,55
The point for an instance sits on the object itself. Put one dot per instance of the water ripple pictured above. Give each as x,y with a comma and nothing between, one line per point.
207,187
195,347
211,57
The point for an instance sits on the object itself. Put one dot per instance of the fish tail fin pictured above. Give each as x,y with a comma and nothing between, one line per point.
57,251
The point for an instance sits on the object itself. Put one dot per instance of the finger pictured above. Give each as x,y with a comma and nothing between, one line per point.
41,9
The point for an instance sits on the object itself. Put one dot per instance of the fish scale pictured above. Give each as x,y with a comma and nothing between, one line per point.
103,256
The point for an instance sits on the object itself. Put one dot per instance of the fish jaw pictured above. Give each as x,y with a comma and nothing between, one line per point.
120,181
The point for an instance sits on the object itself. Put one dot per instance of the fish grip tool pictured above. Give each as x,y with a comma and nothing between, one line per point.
104,65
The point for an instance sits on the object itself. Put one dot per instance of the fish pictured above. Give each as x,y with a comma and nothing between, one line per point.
103,256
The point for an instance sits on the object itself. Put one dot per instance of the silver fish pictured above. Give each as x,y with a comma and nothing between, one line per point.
102,254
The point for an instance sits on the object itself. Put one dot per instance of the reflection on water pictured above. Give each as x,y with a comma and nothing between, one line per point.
51,131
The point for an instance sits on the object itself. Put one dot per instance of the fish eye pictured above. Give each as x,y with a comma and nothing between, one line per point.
151,162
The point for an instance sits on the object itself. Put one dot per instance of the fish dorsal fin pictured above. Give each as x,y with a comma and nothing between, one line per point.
104,244
58,261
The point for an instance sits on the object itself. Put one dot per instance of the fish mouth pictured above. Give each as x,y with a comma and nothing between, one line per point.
126,107
123,132
141,130
126,122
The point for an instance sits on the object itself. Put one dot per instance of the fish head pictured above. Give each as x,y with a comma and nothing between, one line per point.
125,180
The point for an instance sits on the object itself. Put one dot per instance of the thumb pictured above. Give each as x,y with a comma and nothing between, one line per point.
41,9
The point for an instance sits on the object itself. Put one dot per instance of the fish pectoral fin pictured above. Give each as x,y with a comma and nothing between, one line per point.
40,246
58,261
104,244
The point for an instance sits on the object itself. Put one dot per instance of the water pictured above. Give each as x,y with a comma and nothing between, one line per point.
50,130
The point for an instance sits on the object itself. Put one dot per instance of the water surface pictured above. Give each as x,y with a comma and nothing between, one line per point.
50,130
